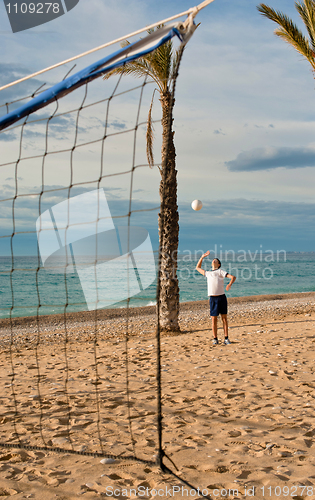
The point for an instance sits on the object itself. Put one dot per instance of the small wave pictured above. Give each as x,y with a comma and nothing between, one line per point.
151,303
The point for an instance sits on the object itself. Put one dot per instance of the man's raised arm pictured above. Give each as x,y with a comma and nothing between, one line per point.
198,266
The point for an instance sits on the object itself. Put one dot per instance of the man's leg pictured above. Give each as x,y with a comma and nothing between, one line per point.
225,325
214,326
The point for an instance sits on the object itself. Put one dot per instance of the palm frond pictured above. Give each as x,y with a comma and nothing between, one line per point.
175,63
160,62
150,135
138,69
307,14
289,32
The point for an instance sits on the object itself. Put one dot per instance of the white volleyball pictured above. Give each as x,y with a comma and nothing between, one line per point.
196,205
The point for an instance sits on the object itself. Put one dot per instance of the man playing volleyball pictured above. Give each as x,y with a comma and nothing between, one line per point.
217,297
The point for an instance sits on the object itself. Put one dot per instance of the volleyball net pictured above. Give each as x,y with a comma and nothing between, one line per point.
73,170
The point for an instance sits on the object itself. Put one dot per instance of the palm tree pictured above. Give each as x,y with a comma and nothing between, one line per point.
290,33
160,66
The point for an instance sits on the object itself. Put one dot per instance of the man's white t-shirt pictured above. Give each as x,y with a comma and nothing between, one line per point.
215,281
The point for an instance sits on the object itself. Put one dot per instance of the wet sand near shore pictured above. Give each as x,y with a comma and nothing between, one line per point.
238,420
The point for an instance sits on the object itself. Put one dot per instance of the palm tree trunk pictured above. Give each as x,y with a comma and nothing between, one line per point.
169,229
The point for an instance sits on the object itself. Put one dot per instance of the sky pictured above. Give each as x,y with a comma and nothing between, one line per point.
243,119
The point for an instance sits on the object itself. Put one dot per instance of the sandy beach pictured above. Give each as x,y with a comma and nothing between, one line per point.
238,420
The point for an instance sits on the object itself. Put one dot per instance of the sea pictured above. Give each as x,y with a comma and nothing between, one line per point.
27,289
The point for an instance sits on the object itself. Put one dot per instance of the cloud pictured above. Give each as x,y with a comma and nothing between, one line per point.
8,136
60,128
243,223
27,206
117,124
234,223
10,72
249,213
270,157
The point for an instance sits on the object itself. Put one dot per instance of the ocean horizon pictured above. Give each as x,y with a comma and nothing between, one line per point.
27,289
